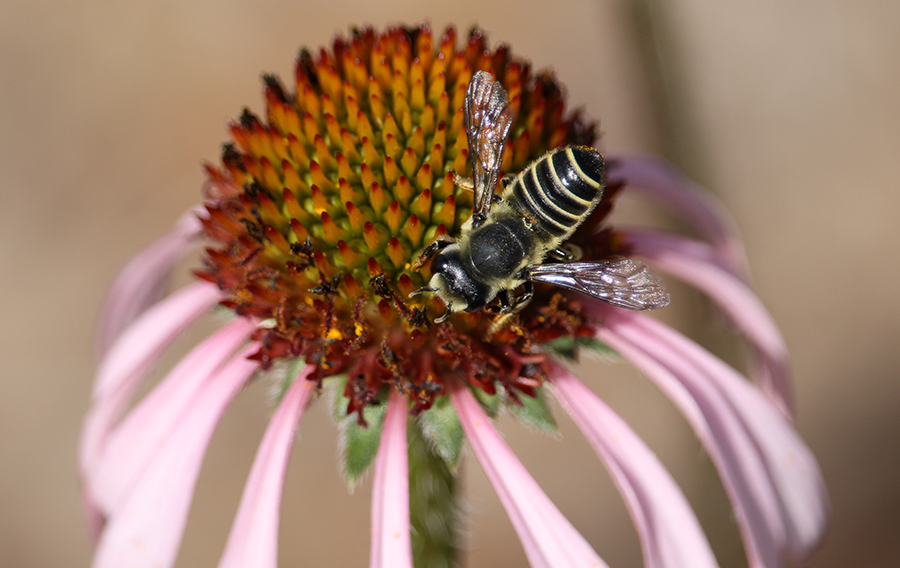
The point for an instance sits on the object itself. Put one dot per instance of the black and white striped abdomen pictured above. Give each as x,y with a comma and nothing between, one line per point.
558,191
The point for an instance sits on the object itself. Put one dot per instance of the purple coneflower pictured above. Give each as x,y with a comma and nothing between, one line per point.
312,223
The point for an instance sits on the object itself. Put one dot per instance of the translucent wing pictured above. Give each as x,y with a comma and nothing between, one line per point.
625,283
488,118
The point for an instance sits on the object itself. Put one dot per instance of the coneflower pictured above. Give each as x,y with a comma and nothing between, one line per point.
312,223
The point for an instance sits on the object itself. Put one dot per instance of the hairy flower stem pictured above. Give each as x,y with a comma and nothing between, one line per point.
434,513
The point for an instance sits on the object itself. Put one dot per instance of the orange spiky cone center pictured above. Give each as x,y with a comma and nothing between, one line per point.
319,211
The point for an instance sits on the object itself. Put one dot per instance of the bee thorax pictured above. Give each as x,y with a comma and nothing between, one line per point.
499,250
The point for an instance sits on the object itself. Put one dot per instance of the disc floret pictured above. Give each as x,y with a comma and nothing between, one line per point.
318,211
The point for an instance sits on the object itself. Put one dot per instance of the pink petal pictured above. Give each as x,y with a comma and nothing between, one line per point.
548,538
142,281
145,530
125,366
770,475
793,469
688,260
97,424
728,444
671,536
134,443
662,183
391,544
253,541
93,516
148,336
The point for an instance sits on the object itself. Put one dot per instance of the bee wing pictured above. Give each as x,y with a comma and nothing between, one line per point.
488,118
625,283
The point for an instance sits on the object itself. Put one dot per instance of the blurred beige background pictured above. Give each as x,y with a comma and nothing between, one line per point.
789,111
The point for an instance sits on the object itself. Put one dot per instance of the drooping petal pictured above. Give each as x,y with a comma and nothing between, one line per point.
548,538
661,182
671,536
135,441
145,530
141,343
93,516
142,281
253,541
127,363
793,469
689,260
727,443
770,475
391,541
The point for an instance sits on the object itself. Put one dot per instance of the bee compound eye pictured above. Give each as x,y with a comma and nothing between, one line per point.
439,264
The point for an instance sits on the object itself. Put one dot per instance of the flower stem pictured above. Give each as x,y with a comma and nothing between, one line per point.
434,513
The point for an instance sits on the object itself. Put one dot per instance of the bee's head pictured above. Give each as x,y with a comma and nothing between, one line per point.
455,285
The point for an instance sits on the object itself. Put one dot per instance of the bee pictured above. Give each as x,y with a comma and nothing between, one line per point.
505,243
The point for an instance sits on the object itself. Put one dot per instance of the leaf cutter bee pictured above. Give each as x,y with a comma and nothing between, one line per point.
505,243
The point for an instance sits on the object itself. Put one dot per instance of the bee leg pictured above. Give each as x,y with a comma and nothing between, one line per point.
523,300
420,290
520,302
499,324
469,185
503,296
507,312
429,252
463,182
446,315
566,253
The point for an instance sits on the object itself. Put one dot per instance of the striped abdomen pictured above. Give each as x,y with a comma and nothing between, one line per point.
559,190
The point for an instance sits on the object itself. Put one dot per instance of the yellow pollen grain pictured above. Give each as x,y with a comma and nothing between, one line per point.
334,334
